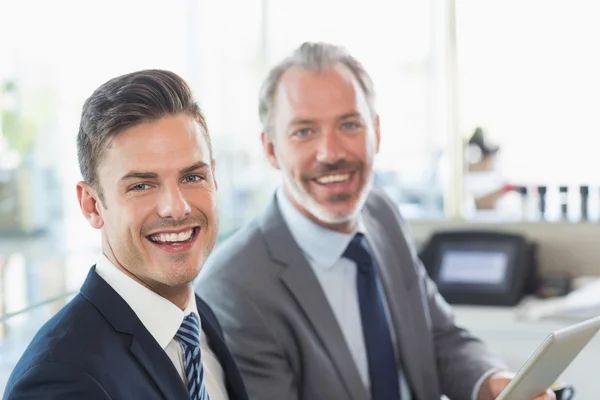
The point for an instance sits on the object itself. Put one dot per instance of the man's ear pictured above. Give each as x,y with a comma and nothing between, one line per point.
377,134
90,204
269,149
213,165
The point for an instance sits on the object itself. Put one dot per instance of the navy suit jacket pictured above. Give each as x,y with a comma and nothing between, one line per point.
97,348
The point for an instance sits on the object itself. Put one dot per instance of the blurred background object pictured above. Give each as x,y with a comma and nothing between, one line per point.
485,185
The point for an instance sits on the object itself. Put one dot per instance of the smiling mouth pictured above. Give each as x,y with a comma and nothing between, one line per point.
174,239
335,178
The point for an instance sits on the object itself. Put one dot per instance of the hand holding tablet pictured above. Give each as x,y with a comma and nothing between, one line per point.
549,361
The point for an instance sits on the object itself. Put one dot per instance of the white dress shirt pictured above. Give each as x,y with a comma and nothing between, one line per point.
163,319
323,248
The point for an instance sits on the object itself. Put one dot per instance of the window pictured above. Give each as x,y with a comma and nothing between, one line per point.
228,44
528,75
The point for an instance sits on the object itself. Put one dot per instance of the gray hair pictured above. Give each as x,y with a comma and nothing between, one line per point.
312,57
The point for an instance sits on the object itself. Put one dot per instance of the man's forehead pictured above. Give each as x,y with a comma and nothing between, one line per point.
159,143
332,90
297,80
165,134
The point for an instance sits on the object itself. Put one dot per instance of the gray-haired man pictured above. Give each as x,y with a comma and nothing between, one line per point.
322,297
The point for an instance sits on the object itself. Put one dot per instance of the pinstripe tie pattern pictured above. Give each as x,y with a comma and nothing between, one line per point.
188,337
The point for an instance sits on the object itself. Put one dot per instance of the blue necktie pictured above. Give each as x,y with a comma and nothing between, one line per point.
383,371
188,337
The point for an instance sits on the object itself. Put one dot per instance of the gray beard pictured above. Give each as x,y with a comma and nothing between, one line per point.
319,211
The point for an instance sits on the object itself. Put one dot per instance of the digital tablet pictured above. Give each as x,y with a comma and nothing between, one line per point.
550,360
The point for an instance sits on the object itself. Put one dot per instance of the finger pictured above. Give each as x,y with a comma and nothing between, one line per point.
550,395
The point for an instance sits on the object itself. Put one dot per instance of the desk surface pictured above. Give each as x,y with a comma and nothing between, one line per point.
516,340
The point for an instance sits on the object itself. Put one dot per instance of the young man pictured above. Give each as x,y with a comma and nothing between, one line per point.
323,296
136,330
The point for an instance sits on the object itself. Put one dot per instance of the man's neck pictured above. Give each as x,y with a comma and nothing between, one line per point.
178,295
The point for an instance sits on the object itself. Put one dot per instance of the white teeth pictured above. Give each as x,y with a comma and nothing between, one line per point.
172,237
334,178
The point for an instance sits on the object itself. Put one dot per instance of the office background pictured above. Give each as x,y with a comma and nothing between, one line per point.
525,72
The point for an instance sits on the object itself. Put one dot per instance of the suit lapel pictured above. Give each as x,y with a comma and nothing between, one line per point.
143,346
157,364
304,287
400,302
233,379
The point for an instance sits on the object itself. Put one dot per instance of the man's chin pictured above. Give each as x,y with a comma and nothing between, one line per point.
177,270
179,278
334,213
332,210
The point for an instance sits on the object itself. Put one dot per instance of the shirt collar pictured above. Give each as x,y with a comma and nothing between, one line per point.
160,317
321,246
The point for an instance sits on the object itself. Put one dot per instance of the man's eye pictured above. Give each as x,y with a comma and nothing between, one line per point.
302,132
139,187
350,125
193,178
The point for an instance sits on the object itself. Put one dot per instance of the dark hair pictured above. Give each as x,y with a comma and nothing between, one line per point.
124,102
479,140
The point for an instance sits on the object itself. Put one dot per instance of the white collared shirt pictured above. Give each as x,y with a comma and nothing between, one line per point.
163,319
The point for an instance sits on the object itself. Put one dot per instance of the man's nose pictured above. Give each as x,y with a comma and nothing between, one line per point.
330,147
173,203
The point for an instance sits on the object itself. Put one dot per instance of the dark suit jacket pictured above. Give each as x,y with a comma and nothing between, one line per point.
97,348
286,339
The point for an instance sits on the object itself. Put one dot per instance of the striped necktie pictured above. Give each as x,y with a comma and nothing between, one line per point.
188,337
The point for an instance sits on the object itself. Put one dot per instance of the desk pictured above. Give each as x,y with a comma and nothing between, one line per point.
516,340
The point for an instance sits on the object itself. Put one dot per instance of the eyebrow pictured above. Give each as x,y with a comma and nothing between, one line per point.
349,115
195,167
154,175
303,121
